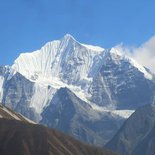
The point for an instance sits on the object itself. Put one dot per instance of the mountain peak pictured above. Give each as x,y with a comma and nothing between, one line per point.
90,47
69,37
115,51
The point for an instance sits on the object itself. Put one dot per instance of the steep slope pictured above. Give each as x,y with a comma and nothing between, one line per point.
70,114
136,136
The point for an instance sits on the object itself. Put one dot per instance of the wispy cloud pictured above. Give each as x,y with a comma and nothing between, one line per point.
144,55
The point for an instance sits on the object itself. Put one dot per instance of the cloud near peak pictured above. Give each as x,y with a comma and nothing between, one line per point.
144,55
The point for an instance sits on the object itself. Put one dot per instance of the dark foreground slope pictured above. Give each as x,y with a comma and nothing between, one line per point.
21,138
137,135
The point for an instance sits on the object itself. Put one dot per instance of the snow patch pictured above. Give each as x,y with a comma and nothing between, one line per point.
121,113
94,48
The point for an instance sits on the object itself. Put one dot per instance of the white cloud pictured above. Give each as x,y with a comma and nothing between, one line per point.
144,55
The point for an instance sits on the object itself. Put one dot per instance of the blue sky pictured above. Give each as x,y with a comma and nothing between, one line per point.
26,25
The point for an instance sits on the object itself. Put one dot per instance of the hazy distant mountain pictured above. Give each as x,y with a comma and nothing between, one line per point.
137,135
104,80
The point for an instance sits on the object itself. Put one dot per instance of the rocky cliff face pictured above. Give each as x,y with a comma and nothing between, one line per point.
19,91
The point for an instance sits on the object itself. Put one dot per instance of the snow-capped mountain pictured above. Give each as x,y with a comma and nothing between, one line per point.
60,63
105,80
65,60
